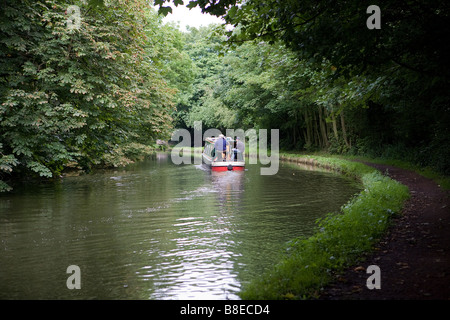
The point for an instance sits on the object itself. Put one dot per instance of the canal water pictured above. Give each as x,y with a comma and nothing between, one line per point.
155,230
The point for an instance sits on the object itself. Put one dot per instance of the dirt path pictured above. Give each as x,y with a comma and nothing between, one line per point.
414,256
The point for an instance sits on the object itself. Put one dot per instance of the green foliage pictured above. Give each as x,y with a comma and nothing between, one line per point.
339,85
7,163
340,238
258,85
126,154
201,100
73,96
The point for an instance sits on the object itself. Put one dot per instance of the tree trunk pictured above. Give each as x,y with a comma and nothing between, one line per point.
333,118
308,128
344,131
294,128
323,128
316,131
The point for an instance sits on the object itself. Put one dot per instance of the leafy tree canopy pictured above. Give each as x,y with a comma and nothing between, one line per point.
82,86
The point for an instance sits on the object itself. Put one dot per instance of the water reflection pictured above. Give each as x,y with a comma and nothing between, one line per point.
201,264
229,186
157,231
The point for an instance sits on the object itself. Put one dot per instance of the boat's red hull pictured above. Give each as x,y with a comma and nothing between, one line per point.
225,168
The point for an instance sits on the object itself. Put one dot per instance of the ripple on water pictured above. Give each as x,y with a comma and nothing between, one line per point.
158,231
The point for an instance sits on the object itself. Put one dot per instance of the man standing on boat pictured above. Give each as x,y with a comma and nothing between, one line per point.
221,146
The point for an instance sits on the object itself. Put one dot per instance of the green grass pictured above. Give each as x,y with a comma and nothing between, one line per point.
339,240
442,181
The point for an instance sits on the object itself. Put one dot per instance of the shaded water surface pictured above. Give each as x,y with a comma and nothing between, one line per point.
156,230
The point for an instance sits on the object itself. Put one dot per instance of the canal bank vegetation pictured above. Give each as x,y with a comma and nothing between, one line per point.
313,70
340,239
443,181
84,84
103,92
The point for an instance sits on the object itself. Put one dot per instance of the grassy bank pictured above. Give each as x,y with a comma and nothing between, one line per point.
339,240
442,181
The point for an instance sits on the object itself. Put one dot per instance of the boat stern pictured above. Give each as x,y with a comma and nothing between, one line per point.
228,166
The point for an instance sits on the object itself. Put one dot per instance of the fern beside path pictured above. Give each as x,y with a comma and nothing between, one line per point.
414,256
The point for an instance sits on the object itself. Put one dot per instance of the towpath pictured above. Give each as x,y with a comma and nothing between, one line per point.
414,256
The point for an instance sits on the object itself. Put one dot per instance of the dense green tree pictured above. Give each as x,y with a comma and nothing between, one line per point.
389,86
202,102
99,85
411,32
79,90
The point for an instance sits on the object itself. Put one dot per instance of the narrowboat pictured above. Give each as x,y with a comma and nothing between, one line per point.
231,159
